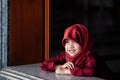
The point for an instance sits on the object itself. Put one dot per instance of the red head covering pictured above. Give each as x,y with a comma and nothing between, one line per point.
79,34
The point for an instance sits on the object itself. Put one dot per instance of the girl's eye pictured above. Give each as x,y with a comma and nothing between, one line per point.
66,41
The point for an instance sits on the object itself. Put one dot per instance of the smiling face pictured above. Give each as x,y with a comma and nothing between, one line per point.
72,48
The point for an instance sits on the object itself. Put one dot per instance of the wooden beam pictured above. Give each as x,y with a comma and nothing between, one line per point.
47,29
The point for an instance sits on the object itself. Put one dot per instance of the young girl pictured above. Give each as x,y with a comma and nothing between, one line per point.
78,59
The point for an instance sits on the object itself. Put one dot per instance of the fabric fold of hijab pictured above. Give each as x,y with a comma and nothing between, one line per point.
78,33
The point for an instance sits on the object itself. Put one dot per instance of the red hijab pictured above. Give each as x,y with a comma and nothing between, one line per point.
79,34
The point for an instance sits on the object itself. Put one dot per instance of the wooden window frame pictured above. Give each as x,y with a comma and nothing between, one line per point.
4,32
47,29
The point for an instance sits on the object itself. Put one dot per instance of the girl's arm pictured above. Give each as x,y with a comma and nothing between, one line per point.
88,70
70,68
49,65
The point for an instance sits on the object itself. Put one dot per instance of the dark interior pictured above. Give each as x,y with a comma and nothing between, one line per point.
102,19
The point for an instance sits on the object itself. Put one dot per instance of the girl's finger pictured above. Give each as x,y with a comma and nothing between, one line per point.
71,64
68,66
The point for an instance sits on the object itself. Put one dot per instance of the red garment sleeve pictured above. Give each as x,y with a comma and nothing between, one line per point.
88,70
49,65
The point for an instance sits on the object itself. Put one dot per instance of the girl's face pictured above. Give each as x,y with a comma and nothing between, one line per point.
72,48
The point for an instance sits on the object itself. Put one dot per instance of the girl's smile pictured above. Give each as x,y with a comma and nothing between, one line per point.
71,51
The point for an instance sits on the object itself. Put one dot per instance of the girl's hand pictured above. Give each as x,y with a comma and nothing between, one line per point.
60,70
68,65
64,69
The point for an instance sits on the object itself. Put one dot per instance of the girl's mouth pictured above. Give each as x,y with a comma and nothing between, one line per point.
72,51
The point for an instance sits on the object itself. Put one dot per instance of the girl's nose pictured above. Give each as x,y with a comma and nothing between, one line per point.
71,45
